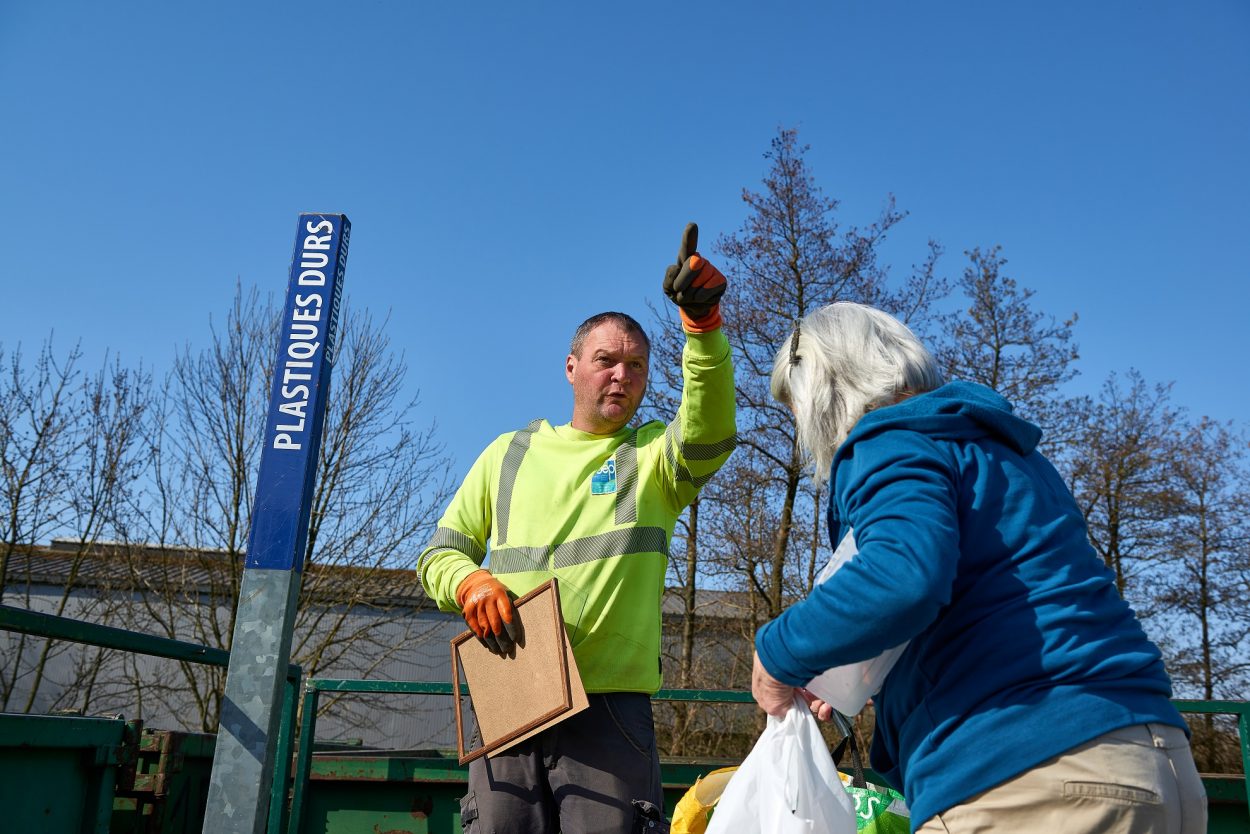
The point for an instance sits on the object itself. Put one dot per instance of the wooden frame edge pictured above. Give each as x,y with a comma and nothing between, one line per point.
567,687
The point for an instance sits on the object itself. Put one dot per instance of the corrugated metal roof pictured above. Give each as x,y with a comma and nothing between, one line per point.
144,567
117,565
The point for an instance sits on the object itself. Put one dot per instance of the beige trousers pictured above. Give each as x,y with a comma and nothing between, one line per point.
1136,780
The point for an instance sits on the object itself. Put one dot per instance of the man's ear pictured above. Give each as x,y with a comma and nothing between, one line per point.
569,364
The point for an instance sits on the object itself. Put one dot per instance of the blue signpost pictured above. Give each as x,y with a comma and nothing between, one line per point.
243,764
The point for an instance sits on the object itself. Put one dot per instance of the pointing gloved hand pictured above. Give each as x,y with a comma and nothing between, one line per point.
694,285
489,612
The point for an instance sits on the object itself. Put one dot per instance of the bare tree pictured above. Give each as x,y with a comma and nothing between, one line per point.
756,528
107,458
36,437
1117,468
36,442
380,483
206,451
1001,342
70,452
790,257
1199,591
1205,578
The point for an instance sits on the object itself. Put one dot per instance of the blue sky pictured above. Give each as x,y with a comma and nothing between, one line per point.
511,168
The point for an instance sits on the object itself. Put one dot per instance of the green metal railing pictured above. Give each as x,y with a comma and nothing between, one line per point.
289,818
53,627
1241,709
314,687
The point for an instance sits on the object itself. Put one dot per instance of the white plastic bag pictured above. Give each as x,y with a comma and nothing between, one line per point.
787,784
847,688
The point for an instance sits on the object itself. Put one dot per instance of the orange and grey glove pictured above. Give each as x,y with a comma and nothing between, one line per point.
694,285
488,610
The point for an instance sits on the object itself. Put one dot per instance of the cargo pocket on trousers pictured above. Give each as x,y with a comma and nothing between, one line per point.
468,813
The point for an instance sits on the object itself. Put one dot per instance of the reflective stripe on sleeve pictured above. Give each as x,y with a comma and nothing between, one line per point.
709,451
672,443
445,539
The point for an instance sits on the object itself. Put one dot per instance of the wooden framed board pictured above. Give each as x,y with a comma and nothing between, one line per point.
515,697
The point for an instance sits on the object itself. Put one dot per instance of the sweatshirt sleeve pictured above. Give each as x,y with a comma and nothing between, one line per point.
897,490
458,546
701,437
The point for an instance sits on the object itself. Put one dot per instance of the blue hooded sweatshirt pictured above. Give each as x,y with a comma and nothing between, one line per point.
972,547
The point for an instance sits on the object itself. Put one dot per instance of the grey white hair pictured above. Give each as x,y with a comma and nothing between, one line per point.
841,362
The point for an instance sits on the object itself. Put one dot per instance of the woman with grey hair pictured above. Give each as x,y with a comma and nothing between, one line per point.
1028,698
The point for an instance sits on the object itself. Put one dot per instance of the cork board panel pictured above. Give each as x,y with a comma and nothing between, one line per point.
576,691
516,696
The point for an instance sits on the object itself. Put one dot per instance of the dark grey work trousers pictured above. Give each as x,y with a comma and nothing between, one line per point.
578,777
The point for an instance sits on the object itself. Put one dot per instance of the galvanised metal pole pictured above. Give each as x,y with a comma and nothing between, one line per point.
243,763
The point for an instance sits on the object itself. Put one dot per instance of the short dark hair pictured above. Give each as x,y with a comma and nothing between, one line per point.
626,322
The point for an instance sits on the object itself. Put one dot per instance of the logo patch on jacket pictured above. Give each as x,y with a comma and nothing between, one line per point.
604,481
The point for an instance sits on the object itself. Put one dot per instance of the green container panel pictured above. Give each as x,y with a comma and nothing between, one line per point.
57,774
399,794
1227,810
68,775
406,794
170,787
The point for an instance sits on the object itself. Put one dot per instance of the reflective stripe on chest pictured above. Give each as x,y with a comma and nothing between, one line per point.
615,480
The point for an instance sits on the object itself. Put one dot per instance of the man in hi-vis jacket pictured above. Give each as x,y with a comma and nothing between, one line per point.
592,502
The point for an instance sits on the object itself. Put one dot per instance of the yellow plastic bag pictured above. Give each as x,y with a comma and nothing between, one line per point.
691,814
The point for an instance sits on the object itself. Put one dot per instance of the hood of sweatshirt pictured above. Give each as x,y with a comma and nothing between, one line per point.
956,411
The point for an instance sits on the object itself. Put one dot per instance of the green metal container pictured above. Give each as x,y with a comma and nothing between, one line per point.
1226,804
57,774
66,775
418,791
168,788
72,775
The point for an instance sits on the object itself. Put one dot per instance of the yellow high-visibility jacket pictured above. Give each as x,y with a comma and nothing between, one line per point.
595,511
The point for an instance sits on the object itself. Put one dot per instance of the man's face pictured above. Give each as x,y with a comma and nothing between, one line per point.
608,379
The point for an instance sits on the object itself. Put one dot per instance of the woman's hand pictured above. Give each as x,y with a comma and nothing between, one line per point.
773,696
819,708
